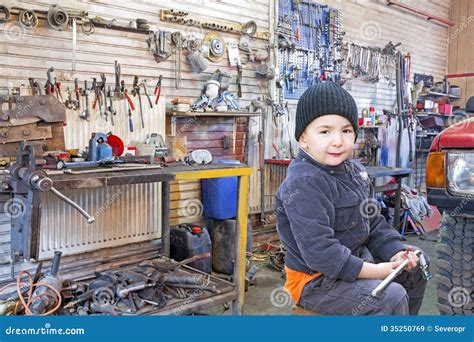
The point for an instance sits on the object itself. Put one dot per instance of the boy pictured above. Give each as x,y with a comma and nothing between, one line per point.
338,247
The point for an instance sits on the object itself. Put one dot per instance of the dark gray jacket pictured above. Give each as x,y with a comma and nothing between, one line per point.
327,222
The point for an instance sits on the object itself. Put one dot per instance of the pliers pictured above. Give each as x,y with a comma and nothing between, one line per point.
158,89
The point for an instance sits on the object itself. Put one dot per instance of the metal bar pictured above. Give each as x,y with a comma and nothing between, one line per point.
185,309
90,219
74,43
392,276
165,217
398,201
423,13
466,74
241,246
202,174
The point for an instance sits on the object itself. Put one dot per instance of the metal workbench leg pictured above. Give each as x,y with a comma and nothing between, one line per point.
165,218
398,202
240,251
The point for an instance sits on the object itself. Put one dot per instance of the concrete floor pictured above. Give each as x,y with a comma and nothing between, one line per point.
258,298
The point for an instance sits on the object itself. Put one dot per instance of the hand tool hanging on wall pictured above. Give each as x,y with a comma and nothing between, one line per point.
158,89
97,97
111,110
57,88
77,90
177,39
35,87
85,115
145,89
159,44
103,91
70,103
136,92
49,86
131,107
239,80
118,92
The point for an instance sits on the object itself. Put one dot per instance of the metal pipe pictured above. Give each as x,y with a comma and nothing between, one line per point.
165,216
90,219
55,263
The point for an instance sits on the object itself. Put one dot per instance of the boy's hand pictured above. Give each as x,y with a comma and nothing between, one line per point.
413,260
384,269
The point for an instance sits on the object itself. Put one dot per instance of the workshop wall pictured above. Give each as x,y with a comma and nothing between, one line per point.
29,53
373,23
460,42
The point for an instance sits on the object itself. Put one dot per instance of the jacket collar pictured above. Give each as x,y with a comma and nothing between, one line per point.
306,157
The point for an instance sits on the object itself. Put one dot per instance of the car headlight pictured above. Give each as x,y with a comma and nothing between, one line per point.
461,172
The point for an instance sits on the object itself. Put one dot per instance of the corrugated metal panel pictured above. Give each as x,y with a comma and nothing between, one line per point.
5,226
124,214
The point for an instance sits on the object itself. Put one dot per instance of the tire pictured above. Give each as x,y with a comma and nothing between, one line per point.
454,278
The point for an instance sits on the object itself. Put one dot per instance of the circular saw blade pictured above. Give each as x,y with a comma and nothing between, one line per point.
216,46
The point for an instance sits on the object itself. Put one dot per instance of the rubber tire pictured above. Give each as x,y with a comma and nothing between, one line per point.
455,260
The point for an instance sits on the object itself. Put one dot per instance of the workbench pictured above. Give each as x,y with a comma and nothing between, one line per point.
385,171
146,174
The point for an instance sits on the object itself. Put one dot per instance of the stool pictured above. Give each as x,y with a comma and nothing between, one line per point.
299,311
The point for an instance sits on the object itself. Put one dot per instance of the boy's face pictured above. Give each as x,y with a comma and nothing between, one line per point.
328,139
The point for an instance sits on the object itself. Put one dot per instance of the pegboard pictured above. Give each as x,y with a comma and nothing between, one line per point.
317,54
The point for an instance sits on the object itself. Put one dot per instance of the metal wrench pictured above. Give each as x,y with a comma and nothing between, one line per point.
85,114
110,109
145,88
423,265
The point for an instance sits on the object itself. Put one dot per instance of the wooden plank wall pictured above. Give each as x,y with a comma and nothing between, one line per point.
460,44
32,52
